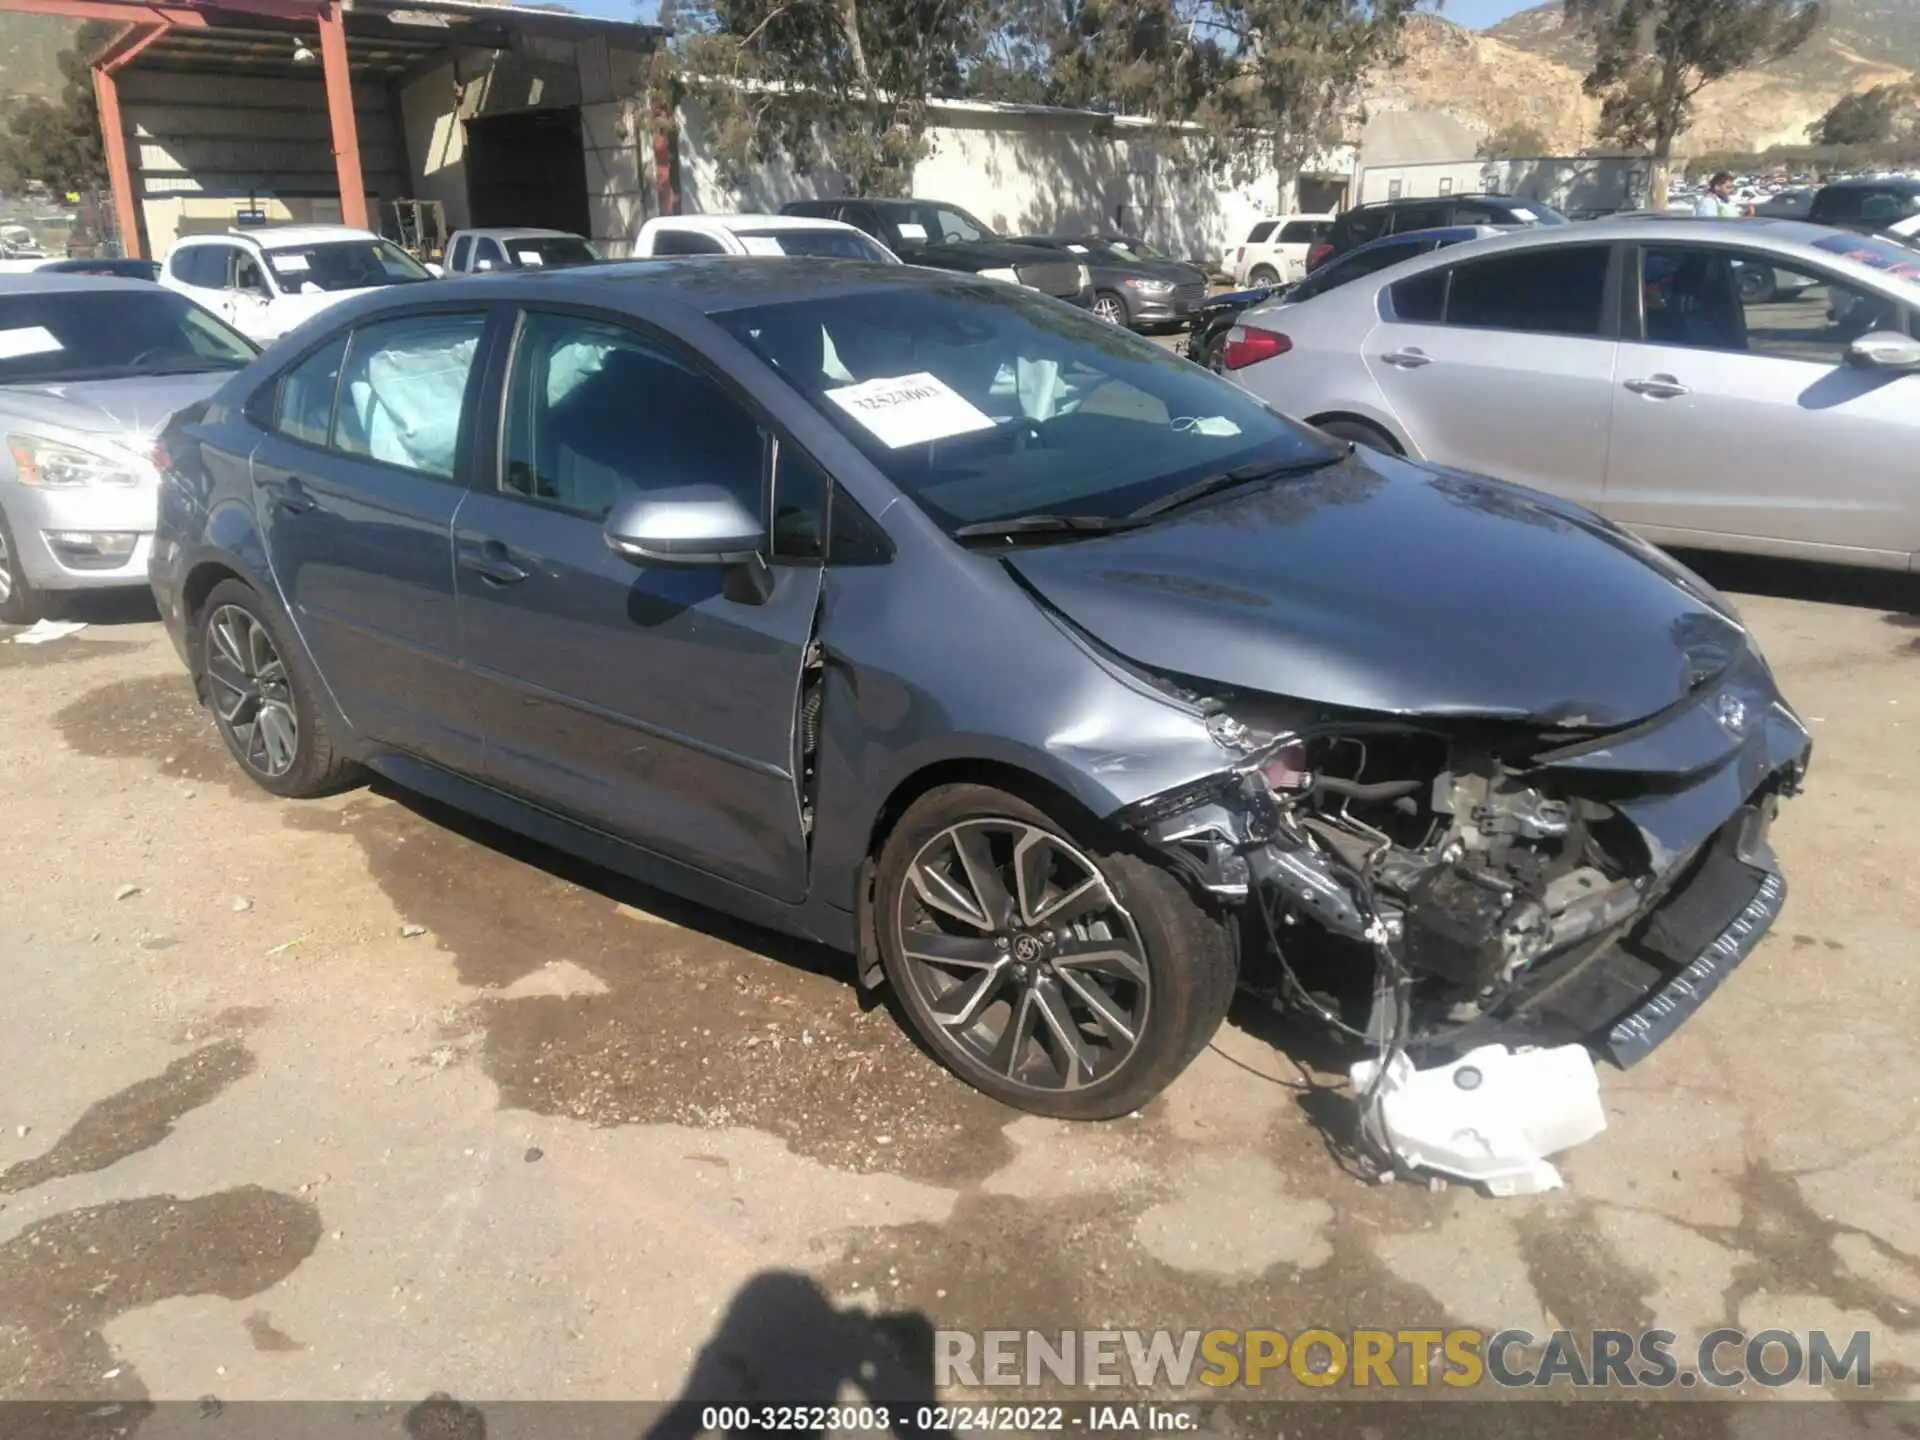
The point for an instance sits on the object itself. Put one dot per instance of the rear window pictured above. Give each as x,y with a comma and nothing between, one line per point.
821,244
1555,291
1354,264
1261,231
1359,226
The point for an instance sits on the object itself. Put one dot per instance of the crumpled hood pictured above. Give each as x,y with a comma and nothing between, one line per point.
1393,587
133,405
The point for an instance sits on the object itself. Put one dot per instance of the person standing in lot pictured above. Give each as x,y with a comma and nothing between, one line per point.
1717,203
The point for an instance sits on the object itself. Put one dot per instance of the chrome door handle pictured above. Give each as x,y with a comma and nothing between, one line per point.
1658,387
1408,359
490,563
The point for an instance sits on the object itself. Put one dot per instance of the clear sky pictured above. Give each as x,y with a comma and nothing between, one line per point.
1475,13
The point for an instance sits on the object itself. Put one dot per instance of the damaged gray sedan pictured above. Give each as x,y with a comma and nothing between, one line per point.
1068,686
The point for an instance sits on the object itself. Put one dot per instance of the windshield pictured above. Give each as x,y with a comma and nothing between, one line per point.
1887,256
539,250
1133,247
342,265
985,402
105,334
821,244
920,221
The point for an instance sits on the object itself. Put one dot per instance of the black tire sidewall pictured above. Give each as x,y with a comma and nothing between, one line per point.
1168,920
26,604
313,756
1263,275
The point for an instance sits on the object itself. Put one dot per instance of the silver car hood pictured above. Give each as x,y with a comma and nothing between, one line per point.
131,405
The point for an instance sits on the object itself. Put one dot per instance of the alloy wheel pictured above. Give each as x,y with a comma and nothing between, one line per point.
1106,308
251,692
1019,949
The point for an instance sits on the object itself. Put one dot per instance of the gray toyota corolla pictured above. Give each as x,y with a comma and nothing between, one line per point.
1064,684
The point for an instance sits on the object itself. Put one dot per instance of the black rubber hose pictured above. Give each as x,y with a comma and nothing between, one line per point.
1354,790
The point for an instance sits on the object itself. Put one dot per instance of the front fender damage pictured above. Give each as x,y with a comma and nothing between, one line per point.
1483,909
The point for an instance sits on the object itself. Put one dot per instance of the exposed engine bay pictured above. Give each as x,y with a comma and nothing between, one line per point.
1494,902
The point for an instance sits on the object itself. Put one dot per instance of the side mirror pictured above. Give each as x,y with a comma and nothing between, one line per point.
1885,350
689,525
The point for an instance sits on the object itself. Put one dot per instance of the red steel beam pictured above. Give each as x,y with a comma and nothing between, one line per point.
143,12
346,137
119,52
113,132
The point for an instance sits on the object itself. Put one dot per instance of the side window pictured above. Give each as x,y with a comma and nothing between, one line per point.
247,275
207,266
304,408
1721,300
182,263
686,242
487,250
1552,291
1420,300
462,249
596,413
1478,212
403,391
1419,217
1261,231
1836,204
1302,232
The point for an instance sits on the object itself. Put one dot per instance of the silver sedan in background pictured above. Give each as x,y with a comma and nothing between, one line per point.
1637,367
90,369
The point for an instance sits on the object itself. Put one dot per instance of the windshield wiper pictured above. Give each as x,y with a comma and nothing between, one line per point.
1229,480
1047,525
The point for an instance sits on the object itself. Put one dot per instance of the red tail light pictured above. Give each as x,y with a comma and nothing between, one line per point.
1319,254
1249,344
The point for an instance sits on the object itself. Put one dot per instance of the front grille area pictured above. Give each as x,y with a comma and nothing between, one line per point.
1189,296
1051,278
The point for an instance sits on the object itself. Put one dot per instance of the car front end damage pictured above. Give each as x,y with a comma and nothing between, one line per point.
1506,889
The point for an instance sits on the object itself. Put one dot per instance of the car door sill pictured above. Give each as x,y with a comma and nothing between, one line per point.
810,919
1675,536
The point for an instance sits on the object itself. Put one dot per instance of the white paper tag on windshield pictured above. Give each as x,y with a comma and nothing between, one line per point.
910,231
293,264
1520,212
761,245
27,340
910,409
530,257
1078,249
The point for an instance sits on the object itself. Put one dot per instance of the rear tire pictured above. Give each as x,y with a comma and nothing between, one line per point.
1361,433
263,695
1080,1008
1263,275
20,603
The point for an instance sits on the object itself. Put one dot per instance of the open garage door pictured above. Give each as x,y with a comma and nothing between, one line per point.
528,169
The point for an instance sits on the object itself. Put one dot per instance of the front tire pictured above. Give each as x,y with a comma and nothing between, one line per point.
1111,308
20,603
1058,975
263,696
1361,433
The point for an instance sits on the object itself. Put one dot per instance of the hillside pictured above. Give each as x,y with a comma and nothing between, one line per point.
29,48
1528,69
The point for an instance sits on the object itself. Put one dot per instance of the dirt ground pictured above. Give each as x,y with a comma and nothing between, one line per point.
359,1099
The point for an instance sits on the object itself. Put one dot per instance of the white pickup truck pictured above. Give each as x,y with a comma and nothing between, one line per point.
1275,250
758,235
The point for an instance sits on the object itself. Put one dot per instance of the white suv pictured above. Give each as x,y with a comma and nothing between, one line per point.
1275,250
759,235
265,282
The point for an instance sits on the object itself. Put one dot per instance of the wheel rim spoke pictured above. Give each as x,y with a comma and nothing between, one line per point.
983,875
1105,1012
1011,1047
276,726
937,889
1070,905
1075,1061
1103,957
962,1004
937,947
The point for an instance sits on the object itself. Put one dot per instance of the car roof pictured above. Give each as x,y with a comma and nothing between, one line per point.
518,232
706,284
53,282
273,237
739,224
1863,182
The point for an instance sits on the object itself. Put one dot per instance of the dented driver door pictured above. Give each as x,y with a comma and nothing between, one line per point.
654,702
